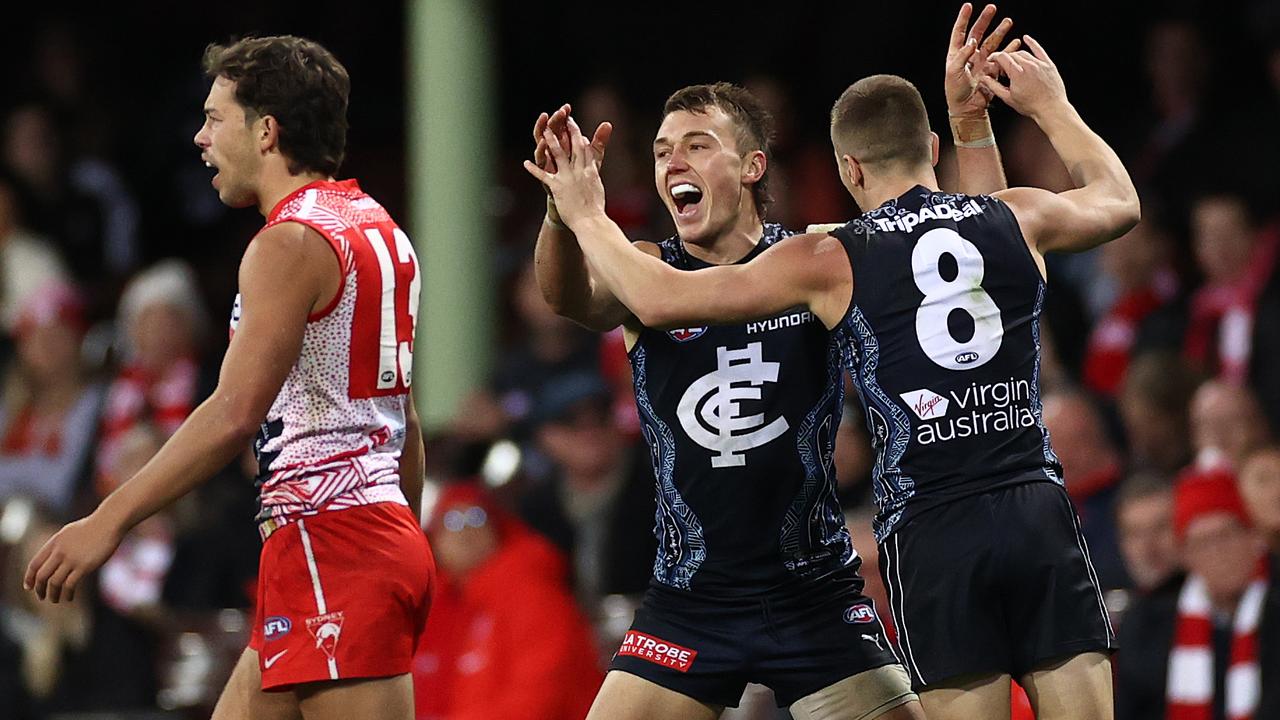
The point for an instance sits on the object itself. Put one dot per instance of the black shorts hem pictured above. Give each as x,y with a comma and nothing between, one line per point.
1062,651
1067,650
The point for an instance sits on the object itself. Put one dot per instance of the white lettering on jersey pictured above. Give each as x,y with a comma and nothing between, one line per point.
906,220
980,409
782,321
711,409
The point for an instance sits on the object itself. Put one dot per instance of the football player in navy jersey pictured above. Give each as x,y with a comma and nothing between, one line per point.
755,579
934,301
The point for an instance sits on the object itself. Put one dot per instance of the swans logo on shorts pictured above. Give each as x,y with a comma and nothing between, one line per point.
860,613
686,334
276,627
326,629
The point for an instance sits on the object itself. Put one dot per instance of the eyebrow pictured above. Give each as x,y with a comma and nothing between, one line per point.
686,136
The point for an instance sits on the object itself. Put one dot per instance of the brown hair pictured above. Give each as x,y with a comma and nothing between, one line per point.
300,84
753,124
881,120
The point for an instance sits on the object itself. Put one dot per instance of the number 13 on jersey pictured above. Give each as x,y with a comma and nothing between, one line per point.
388,286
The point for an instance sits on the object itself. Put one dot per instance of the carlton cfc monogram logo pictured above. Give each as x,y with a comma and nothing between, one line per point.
711,409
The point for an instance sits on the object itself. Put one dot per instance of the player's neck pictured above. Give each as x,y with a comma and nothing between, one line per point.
879,191
733,243
278,185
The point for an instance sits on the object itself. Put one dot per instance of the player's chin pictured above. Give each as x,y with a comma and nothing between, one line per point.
235,198
695,230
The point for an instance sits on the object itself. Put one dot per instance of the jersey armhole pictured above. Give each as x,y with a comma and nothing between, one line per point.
1021,239
839,235
336,249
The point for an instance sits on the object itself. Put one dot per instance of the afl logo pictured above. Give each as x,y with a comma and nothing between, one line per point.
965,358
276,627
686,334
859,614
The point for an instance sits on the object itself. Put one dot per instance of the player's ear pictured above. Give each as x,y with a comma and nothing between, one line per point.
267,133
851,170
934,144
754,166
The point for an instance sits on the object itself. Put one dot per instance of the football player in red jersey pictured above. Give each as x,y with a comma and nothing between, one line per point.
319,369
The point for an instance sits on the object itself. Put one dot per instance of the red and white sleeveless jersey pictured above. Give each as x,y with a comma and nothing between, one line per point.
333,437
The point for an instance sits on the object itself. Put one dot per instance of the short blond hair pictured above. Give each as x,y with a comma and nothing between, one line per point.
881,120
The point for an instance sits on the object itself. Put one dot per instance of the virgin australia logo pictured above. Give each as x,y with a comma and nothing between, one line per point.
926,404
711,409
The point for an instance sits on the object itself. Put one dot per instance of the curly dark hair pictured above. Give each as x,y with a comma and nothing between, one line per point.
300,84
753,124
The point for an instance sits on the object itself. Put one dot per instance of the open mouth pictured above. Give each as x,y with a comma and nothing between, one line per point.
687,197
213,167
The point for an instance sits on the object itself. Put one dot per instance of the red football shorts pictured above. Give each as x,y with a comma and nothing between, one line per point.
342,594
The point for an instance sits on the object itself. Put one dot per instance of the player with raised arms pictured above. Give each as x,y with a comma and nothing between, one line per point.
755,579
934,299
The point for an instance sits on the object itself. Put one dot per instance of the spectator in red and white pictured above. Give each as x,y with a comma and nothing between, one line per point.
1238,261
1192,651
1227,425
49,415
1144,522
505,638
1137,265
162,321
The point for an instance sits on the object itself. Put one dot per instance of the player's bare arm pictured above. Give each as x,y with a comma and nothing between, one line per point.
287,273
412,459
968,59
800,272
1105,204
561,271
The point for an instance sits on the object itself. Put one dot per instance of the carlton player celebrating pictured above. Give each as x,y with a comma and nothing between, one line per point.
755,578
935,299
319,369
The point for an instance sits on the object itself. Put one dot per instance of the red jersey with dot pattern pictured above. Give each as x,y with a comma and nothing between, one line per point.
333,437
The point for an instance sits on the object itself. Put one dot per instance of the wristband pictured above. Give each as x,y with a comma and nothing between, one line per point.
970,132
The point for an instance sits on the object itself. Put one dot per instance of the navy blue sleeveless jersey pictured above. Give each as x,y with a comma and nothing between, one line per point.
741,422
944,327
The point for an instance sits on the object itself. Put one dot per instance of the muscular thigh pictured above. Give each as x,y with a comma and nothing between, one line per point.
243,697
883,692
1078,687
629,697
968,697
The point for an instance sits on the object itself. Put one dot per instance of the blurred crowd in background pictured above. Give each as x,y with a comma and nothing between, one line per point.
117,269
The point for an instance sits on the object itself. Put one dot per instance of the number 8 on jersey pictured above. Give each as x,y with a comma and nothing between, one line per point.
942,297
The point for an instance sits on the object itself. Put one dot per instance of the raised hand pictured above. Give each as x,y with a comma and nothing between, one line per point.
968,59
558,123
575,183
555,121
1035,87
